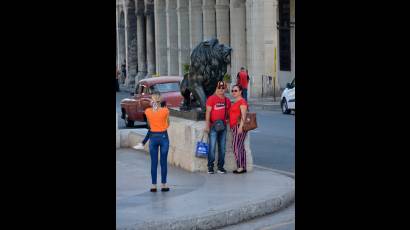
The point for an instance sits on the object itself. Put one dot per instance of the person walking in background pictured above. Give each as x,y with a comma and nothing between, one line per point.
158,121
123,72
217,107
237,113
117,76
242,79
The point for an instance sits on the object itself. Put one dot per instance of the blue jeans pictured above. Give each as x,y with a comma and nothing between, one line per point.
158,140
220,138
245,94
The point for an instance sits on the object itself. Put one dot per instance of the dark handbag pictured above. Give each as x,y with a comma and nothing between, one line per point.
202,148
249,122
219,125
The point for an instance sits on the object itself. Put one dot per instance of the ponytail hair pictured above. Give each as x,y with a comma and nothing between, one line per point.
156,101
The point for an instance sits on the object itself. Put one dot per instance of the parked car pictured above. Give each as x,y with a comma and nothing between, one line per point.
132,109
287,102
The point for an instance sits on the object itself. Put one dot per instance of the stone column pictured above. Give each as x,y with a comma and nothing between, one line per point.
161,37
208,11
238,36
172,37
223,25
142,58
292,37
195,23
256,47
270,42
121,41
183,35
117,45
149,12
222,21
131,43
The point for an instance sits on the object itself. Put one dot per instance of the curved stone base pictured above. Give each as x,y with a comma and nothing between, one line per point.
184,134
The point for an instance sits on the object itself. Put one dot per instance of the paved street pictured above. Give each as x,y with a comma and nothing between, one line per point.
272,143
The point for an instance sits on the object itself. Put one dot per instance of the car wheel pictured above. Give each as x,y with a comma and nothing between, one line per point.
128,122
284,105
123,113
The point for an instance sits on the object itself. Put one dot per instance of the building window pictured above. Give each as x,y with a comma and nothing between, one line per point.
284,35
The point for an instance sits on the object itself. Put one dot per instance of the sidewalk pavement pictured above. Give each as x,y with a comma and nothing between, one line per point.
267,103
196,200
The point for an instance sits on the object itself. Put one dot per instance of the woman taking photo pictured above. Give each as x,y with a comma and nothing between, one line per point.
158,121
237,115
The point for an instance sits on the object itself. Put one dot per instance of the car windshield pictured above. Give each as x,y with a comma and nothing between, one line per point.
167,87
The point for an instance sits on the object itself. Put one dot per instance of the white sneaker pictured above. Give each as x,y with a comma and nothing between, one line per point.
138,146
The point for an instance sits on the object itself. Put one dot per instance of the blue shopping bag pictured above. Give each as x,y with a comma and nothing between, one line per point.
202,148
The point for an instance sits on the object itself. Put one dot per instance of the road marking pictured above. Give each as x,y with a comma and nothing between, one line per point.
289,174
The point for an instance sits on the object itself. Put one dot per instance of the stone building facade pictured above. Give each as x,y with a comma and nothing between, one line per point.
156,37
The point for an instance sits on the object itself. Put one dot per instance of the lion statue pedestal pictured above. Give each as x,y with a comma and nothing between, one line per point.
193,114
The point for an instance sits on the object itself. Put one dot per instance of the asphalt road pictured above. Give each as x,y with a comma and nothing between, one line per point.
273,142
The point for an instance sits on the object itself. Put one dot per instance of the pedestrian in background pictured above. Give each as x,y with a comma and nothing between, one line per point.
117,75
242,79
123,72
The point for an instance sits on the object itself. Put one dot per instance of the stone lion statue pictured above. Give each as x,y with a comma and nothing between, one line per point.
209,62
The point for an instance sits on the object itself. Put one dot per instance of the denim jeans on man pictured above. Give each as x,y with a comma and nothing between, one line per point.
220,138
158,140
245,94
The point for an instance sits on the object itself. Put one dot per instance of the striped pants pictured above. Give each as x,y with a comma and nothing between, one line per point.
238,145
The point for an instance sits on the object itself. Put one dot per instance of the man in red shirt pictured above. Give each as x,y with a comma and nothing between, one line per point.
242,79
217,108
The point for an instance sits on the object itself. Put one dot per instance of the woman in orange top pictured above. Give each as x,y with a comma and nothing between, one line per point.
158,121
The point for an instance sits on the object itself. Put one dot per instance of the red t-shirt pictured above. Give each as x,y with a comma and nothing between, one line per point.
235,112
243,79
218,107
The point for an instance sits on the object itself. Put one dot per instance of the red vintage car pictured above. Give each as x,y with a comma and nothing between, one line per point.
132,109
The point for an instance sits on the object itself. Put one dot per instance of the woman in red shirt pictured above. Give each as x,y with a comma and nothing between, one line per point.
237,113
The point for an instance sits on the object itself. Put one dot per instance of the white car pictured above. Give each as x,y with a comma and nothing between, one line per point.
287,102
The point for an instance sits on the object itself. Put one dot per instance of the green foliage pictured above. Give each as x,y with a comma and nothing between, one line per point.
186,68
227,78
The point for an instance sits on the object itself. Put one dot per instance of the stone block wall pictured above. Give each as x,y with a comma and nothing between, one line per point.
183,136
